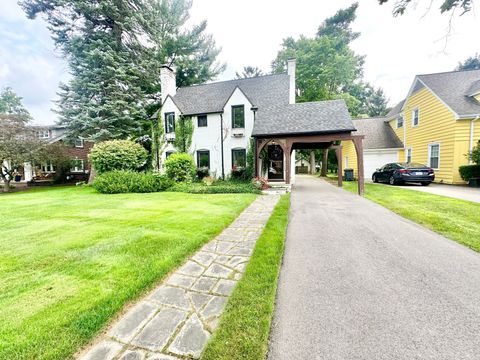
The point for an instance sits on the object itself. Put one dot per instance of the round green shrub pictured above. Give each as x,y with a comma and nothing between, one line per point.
117,155
180,167
468,172
128,181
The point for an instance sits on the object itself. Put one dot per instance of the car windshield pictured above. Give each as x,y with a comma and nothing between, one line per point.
412,165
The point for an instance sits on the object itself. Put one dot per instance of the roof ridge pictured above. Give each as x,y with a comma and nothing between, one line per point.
372,118
449,72
231,80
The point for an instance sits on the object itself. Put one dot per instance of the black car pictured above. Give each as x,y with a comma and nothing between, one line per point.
400,173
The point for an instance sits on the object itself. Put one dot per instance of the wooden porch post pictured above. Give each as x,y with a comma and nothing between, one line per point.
338,151
357,141
288,158
324,163
256,156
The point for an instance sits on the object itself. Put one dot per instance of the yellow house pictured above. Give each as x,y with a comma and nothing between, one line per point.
438,123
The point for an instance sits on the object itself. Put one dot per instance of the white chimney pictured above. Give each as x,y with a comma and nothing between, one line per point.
168,82
291,68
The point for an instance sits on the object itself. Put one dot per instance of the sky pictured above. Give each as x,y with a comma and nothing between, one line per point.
250,32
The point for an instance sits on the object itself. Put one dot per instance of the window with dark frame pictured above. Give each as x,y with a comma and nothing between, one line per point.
238,116
202,121
203,158
400,121
169,122
415,117
168,153
434,156
239,158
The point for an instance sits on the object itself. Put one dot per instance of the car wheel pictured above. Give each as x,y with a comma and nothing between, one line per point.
425,183
392,181
374,179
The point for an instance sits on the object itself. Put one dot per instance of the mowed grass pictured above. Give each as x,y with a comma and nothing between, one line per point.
458,220
72,258
245,325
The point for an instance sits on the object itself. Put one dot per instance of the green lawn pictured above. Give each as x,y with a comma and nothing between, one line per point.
458,220
245,324
72,258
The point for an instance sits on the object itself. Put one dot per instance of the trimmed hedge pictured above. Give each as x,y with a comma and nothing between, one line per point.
117,155
127,181
469,171
180,167
219,187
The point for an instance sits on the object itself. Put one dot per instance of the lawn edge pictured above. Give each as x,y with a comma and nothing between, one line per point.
244,337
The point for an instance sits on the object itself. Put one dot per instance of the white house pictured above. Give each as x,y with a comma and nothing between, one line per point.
228,115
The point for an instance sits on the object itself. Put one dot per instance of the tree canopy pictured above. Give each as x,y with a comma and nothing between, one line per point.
327,68
249,72
11,104
114,51
446,6
471,63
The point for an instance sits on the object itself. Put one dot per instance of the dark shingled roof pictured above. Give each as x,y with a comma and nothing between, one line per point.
263,91
453,88
474,89
303,118
378,134
395,110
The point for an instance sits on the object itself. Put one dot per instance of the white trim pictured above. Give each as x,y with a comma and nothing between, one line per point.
472,134
387,150
76,169
430,153
81,145
413,116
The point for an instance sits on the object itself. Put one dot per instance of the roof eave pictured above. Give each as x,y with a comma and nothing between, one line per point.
289,134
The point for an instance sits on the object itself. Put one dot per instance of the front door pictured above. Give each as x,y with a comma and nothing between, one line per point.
275,162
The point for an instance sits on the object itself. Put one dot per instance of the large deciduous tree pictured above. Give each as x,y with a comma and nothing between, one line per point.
114,50
327,68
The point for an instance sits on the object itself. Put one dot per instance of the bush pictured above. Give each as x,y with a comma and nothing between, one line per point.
260,183
117,155
180,167
469,171
239,173
202,172
218,187
127,181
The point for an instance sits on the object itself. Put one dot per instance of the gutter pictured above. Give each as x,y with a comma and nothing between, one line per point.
221,145
472,132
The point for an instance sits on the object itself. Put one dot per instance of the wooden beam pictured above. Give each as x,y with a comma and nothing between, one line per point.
325,163
359,149
338,151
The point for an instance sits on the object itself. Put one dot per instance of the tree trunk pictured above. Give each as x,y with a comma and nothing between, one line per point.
6,185
92,175
312,162
325,162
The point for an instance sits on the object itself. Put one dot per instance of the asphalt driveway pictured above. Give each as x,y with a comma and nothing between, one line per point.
359,282
454,191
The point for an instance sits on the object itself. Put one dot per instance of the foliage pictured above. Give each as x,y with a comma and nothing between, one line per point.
327,68
216,187
11,104
117,155
260,183
208,180
127,181
471,63
239,173
114,51
202,172
245,324
474,155
89,256
249,72
446,6
468,172
183,133
180,167
250,161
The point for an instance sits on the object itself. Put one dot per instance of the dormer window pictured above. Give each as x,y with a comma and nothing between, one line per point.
399,121
238,116
79,143
415,117
169,122
43,134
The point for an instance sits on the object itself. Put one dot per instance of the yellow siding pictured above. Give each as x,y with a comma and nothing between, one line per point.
348,150
437,124
477,97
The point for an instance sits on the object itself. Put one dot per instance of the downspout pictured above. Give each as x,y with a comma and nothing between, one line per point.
472,133
221,145
255,161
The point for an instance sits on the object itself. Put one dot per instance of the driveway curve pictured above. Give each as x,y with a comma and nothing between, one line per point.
360,282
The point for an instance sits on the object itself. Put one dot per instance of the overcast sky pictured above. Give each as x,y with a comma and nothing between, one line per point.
250,33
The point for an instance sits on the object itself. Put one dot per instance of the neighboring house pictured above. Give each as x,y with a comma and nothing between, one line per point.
76,152
437,122
255,114
380,146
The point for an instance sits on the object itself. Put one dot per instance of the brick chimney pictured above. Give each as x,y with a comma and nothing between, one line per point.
291,68
168,82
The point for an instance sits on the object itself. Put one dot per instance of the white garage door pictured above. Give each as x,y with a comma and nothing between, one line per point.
374,160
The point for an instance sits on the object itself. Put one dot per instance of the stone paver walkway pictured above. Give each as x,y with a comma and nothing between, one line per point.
177,318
